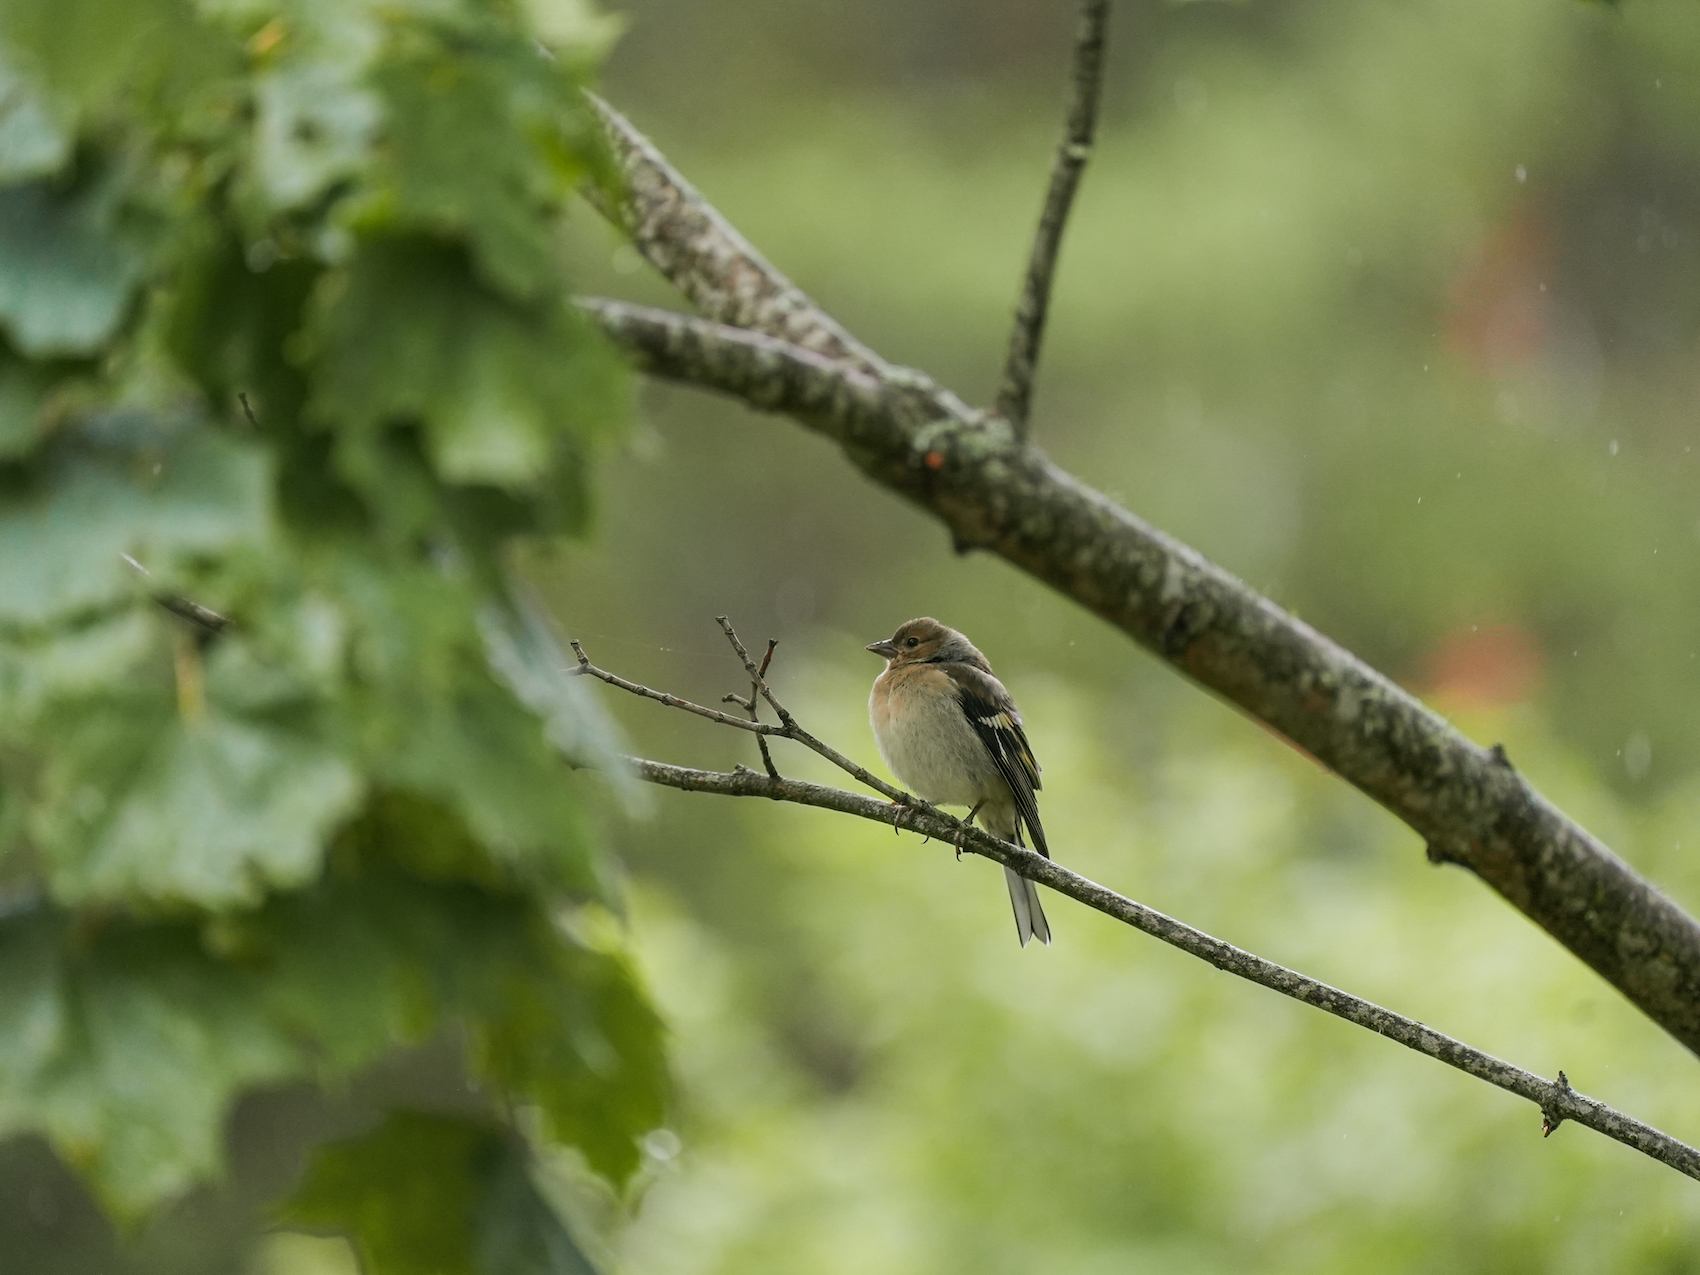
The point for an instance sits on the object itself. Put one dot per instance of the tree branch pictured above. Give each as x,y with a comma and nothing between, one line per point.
1015,394
1556,1099
1469,804
687,240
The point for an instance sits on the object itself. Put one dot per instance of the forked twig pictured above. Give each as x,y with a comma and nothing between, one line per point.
791,730
751,705
1015,394
788,727
586,668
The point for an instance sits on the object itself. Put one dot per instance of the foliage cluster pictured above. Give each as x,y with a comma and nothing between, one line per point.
342,824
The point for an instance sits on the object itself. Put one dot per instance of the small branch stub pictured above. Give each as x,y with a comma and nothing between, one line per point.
1551,1116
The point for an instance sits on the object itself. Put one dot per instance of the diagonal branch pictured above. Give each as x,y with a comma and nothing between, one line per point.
1468,803
687,240
1015,394
1556,1099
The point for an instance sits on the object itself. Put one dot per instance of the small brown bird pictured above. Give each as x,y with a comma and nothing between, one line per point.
949,730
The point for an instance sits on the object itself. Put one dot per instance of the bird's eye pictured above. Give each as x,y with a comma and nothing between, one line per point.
912,643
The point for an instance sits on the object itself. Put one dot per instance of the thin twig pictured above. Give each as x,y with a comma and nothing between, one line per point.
188,609
248,411
586,668
791,730
1015,394
761,740
752,707
787,729
1556,1099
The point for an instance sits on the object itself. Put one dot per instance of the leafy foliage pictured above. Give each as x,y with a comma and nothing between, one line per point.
464,1203
340,824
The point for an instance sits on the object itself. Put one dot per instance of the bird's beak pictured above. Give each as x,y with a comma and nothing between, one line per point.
885,648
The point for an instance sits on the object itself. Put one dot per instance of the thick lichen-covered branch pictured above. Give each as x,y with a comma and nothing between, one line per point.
700,252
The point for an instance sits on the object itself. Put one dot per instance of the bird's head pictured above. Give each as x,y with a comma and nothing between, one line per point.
925,639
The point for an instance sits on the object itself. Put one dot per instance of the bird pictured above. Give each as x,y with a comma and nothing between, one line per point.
949,730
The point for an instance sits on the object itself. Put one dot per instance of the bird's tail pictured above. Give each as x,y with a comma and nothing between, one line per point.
1030,920
1029,916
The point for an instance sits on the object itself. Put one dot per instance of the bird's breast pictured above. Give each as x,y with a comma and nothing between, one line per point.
933,750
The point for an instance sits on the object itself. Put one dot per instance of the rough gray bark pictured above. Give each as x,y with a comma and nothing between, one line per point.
702,255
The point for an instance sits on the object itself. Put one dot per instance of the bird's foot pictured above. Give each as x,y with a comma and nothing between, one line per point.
962,832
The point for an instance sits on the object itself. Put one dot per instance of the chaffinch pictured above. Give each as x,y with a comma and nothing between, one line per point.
949,730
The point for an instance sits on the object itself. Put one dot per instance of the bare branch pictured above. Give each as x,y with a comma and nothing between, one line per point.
1015,394
586,668
761,740
758,681
1556,1099
788,728
793,731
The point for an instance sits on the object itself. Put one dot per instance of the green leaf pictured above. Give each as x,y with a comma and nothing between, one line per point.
25,389
575,29
585,1046
95,52
68,663
426,714
67,266
409,921
124,1049
123,1041
213,812
343,824
315,124
502,389
32,142
526,655
430,1194
516,1231
125,485
474,147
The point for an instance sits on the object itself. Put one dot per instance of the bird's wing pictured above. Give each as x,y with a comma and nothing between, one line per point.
991,712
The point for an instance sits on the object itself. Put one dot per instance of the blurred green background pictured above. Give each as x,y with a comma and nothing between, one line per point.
1393,310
